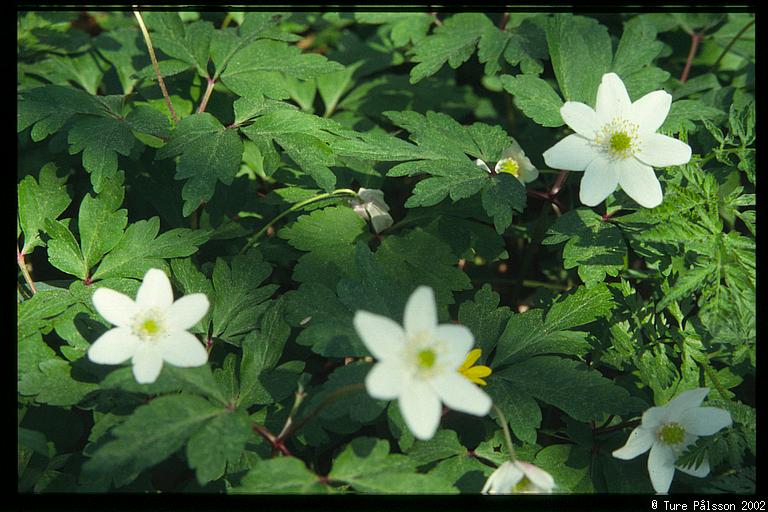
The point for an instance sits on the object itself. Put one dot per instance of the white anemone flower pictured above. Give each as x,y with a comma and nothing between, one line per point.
617,144
371,207
513,161
668,430
518,477
418,364
151,329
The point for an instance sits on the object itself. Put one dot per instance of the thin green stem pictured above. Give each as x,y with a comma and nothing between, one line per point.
156,67
507,434
24,270
227,20
528,283
731,43
342,391
299,398
298,206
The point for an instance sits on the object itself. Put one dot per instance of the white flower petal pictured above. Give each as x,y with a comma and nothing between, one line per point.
380,219
382,336
600,180
503,479
612,98
700,472
528,173
573,153
187,311
482,165
385,380
457,341
659,150
155,291
705,421
661,467
655,417
182,349
639,441
114,346
147,363
650,111
538,477
580,118
421,409
420,312
640,182
373,195
459,394
684,401
117,308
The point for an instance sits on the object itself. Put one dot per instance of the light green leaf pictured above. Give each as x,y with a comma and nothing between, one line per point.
140,249
580,49
45,198
100,222
281,475
536,98
63,250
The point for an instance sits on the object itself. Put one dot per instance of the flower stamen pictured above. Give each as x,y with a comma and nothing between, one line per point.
671,433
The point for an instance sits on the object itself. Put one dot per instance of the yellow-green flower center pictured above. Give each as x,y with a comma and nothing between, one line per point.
510,166
427,358
148,325
620,142
671,433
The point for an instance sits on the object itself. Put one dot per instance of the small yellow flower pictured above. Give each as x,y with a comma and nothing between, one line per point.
474,373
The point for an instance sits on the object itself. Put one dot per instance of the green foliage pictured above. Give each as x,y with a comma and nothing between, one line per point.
251,192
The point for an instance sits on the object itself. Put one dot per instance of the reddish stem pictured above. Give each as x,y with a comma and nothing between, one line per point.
24,270
207,95
695,40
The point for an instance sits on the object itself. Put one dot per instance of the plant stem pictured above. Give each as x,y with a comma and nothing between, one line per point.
631,423
504,20
156,67
342,391
336,193
559,182
300,395
507,435
207,95
24,270
695,40
732,42
227,20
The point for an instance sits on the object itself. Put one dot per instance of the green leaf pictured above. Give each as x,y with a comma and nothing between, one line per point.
281,475
637,48
304,137
258,67
48,108
221,440
100,139
501,198
683,113
455,41
570,471
367,466
140,249
188,43
51,383
45,198
262,350
148,120
100,222
63,250
150,435
536,98
581,393
209,153
529,333
328,235
124,49
36,314
484,318
86,70
594,246
402,26
580,49
520,409
239,301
